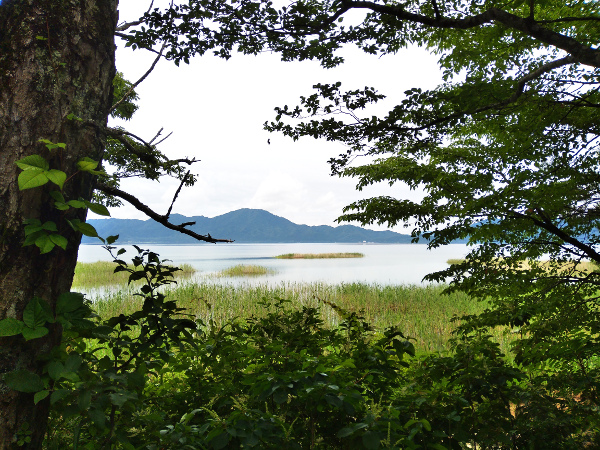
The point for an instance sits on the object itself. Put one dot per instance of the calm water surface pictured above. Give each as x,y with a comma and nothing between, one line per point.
382,263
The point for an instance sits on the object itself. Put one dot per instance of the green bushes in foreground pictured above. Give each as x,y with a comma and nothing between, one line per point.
155,379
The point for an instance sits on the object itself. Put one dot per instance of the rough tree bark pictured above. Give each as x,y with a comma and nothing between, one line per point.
56,58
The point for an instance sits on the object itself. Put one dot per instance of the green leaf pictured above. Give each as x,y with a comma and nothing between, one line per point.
98,417
58,395
58,177
87,164
59,240
29,179
34,333
44,243
73,363
51,145
370,440
57,196
49,226
120,398
85,400
55,370
11,326
33,162
61,206
220,441
88,229
97,208
23,381
37,313
69,302
39,396
76,203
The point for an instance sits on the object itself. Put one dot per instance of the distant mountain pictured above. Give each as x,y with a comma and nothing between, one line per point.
243,226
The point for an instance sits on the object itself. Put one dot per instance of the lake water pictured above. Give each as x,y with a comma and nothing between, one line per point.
382,263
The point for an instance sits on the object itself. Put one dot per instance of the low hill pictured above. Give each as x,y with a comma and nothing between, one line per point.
243,226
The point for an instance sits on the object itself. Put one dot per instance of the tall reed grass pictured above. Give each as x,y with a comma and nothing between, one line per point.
101,273
244,270
423,313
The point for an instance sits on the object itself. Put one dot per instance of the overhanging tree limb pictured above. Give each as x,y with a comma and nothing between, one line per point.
162,219
582,53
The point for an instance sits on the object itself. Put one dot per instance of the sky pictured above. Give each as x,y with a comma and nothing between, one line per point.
216,110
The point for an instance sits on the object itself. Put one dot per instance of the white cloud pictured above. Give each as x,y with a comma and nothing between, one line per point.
216,110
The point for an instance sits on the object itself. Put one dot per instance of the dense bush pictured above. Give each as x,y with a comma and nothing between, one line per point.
157,379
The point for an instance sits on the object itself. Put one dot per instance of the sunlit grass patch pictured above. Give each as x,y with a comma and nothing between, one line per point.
242,270
101,273
319,255
581,266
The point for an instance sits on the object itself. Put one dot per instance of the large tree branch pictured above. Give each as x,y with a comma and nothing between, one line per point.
162,219
545,223
582,53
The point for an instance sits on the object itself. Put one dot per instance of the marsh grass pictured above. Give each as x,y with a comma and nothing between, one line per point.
101,273
422,312
243,270
319,255
582,266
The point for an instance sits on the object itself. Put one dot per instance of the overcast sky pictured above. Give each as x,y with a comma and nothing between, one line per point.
216,110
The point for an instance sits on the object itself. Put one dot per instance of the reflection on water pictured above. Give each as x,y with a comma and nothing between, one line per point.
382,264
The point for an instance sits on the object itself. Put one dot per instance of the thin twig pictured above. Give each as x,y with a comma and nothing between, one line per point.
136,84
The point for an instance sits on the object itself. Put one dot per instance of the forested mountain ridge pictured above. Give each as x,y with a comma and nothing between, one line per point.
243,226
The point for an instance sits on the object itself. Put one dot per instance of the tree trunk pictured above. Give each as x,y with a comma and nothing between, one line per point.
56,59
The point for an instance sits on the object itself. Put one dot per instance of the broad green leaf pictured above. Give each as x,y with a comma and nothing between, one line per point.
34,333
370,440
73,363
87,164
51,145
11,326
33,162
57,196
39,396
88,229
69,302
58,177
32,178
76,203
59,240
58,395
44,243
23,381
49,226
98,417
61,206
37,313
84,400
97,208
56,369
120,398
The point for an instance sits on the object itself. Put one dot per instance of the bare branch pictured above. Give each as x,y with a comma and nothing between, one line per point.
136,84
177,195
127,25
109,190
